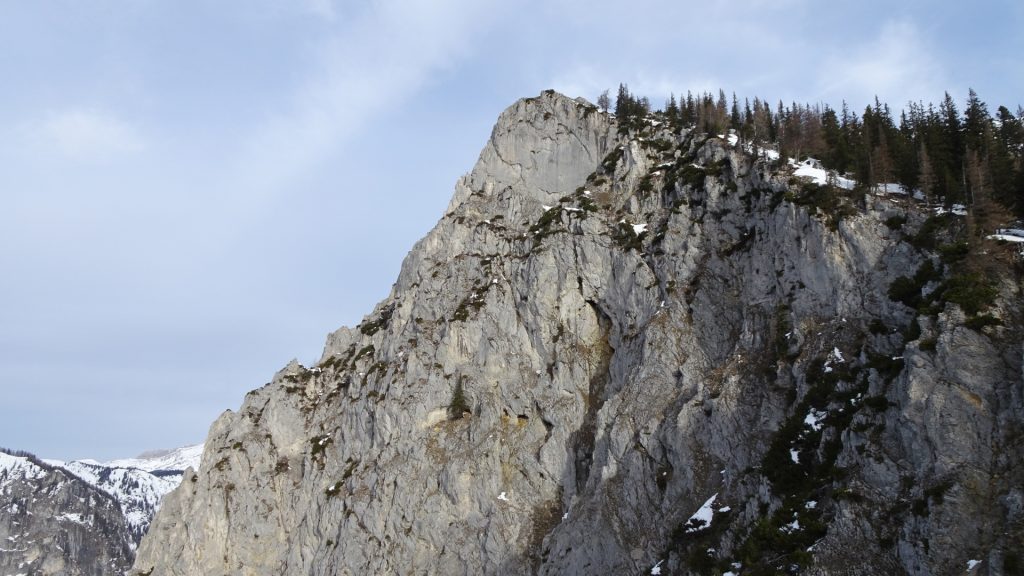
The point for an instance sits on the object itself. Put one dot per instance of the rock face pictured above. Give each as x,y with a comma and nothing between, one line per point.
54,523
670,359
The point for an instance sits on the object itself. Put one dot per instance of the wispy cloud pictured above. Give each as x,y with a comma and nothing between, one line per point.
84,134
323,8
896,65
585,80
379,58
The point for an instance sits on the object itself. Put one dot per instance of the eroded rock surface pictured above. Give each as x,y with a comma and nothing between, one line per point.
638,322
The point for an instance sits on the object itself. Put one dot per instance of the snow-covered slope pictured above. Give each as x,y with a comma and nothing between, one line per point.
137,484
137,491
17,466
176,459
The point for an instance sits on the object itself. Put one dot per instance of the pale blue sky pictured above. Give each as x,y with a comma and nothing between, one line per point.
194,192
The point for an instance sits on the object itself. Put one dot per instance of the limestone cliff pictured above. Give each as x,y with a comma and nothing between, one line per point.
676,358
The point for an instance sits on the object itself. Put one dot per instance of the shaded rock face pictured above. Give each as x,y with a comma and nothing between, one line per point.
665,361
52,522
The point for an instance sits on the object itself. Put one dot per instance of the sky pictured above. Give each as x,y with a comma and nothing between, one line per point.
194,192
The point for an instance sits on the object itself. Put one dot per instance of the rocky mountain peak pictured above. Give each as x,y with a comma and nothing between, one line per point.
627,349
541,147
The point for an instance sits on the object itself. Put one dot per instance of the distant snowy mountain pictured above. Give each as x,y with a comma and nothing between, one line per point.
159,460
52,522
137,484
103,507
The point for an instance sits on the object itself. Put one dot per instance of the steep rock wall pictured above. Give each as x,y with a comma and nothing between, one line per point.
638,322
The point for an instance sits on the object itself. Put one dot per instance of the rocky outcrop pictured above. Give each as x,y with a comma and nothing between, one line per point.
675,357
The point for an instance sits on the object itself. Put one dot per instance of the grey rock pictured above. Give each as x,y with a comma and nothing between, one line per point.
634,319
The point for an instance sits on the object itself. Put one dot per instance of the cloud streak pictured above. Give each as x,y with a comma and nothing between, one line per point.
83,134
377,60
897,66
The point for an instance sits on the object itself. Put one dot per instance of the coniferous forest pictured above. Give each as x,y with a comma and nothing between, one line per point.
944,155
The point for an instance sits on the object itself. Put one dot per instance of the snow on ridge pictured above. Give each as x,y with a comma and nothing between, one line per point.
20,465
139,492
177,459
137,484
133,482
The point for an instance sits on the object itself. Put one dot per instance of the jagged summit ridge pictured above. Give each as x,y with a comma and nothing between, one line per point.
644,324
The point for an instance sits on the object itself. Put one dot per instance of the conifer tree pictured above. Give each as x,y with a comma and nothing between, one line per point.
623,101
865,150
459,404
926,177
976,119
735,120
688,113
931,148
628,109
721,110
881,159
835,156
953,168
672,112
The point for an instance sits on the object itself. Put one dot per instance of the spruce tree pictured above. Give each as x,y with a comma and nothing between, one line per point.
976,119
931,148
735,120
926,177
672,112
459,404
